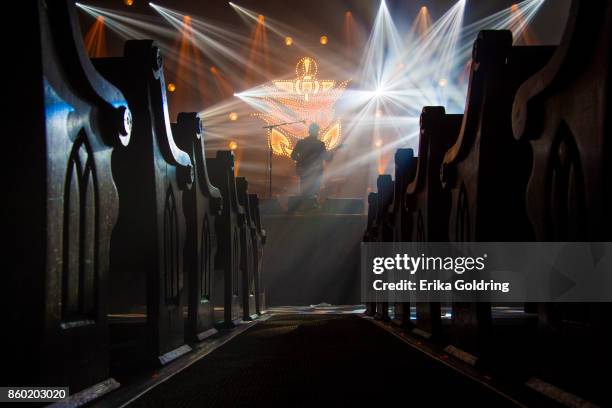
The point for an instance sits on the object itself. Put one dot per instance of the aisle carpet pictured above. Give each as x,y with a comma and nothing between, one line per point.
318,360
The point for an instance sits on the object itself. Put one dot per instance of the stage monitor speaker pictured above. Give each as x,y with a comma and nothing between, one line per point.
301,204
270,207
343,206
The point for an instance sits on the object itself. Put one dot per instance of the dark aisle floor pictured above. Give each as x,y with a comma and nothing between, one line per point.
318,360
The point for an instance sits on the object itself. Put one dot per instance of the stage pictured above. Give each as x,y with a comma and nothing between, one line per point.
312,258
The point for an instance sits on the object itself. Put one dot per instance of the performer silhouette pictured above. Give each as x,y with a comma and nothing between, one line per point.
309,154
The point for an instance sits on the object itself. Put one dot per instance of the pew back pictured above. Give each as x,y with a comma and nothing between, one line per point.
64,203
228,226
147,263
564,112
259,240
202,204
248,252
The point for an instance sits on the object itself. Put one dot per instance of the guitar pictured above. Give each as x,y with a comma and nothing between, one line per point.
301,166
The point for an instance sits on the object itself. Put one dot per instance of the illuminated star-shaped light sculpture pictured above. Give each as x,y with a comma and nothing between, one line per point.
304,98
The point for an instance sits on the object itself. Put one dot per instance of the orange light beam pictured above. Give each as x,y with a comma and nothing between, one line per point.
518,21
95,39
224,87
199,68
348,31
255,35
421,24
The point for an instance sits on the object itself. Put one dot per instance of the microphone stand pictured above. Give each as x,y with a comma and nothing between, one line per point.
270,127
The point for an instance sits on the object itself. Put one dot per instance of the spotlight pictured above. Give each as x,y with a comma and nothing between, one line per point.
288,41
261,18
378,113
323,40
442,82
232,145
378,143
171,87
128,2
233,116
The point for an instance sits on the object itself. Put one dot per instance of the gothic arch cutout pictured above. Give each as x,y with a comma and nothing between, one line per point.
171,250
205,260
462,226
236,262
420,227
80,244
565,200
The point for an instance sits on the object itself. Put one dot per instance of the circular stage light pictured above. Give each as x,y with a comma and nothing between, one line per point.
378,143
233,116
288,41
171,87
128,2
323,40
233,145
442,82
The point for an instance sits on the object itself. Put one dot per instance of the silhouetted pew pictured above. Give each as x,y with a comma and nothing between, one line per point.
405,170
228,226
147,262
486,169
259,240
63,205
400,220
564,112
427,203
383,227
370,235
248,252
202,204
